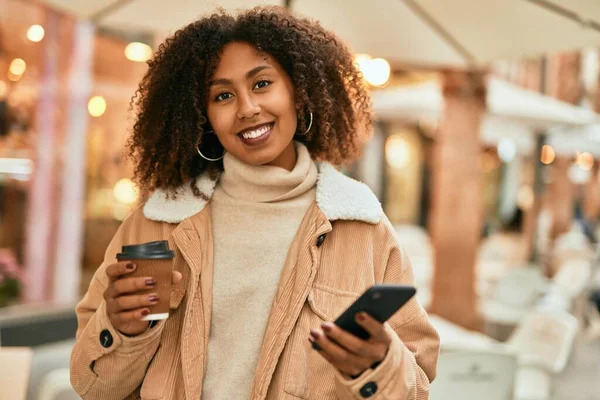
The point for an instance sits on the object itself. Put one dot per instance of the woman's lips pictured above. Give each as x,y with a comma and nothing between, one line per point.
257,136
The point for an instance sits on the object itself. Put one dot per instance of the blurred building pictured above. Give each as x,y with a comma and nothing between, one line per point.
65,185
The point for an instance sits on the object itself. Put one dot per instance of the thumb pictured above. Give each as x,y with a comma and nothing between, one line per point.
176,277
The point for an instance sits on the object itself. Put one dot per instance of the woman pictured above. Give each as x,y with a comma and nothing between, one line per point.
270,246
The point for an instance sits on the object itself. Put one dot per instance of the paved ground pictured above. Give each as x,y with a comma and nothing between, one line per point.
581,378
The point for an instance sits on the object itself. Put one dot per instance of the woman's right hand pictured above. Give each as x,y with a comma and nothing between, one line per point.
124,305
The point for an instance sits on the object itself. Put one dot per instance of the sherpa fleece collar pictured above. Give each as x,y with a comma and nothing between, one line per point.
338,196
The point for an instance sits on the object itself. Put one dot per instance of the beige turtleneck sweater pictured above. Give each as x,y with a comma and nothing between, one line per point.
256,212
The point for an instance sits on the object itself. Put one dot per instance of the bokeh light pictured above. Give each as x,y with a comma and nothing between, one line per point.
138,52
97,106
125,191
17,67
585,161
35,33
548,154
375,70
397,153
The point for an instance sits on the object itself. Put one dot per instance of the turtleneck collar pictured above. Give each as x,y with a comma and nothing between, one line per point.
265,183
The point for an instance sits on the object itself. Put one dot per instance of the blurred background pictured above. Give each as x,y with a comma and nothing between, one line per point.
485,157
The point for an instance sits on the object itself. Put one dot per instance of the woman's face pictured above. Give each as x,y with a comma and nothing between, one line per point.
251,107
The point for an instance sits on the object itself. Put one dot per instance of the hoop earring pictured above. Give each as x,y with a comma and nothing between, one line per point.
309,125
208,158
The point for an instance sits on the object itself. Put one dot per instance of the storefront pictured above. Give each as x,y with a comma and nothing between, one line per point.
65,184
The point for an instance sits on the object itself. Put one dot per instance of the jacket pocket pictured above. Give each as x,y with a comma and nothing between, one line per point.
306,373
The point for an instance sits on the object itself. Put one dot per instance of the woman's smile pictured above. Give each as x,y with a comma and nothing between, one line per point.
256,135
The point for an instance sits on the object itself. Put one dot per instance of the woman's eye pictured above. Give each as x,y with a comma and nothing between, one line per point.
223,96
262,84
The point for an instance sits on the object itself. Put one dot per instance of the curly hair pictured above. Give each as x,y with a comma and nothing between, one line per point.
171,100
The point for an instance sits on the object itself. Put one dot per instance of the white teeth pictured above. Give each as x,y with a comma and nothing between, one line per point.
256,133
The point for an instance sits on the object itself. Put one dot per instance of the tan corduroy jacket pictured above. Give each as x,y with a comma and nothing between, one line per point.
344,245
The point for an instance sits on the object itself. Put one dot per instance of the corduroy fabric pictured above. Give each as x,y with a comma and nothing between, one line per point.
317,284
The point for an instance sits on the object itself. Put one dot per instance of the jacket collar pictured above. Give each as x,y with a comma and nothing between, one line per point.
338,196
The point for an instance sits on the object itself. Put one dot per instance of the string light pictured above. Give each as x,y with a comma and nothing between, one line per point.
35,33
138,52
585,161
397,152
125,191
97,106
375,70
548,154
17,67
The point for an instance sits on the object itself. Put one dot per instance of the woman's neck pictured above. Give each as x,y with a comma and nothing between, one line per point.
287,159
268,183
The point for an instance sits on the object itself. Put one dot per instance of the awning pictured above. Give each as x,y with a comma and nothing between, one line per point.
458,33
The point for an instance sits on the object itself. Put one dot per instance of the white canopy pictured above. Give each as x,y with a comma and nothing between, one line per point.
575,139
457,33
504,100
512,112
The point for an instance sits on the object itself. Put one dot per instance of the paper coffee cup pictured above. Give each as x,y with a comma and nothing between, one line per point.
155,260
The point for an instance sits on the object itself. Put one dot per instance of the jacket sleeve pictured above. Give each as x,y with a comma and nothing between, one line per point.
104,363
410,364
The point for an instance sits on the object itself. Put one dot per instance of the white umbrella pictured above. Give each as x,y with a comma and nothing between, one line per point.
511,112
457,33
577,139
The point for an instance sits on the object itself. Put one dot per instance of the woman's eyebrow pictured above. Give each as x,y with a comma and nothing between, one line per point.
256,70
249,74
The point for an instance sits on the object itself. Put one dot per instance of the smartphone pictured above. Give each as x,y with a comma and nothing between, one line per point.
380,302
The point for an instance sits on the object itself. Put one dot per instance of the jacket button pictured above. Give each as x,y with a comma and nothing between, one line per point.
106,339
320,240
368,390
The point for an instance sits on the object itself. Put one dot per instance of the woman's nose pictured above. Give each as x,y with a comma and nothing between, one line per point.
248,107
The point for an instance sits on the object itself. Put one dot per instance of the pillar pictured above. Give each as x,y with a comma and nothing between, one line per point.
456,219
562,193
39,230
591,200
69,243
564,83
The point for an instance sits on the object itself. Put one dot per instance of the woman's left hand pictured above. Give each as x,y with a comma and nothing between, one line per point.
348,353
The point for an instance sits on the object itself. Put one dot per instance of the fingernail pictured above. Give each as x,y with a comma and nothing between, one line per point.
130,266
145,312
153,298
150,282
314,334
361,316
326,327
